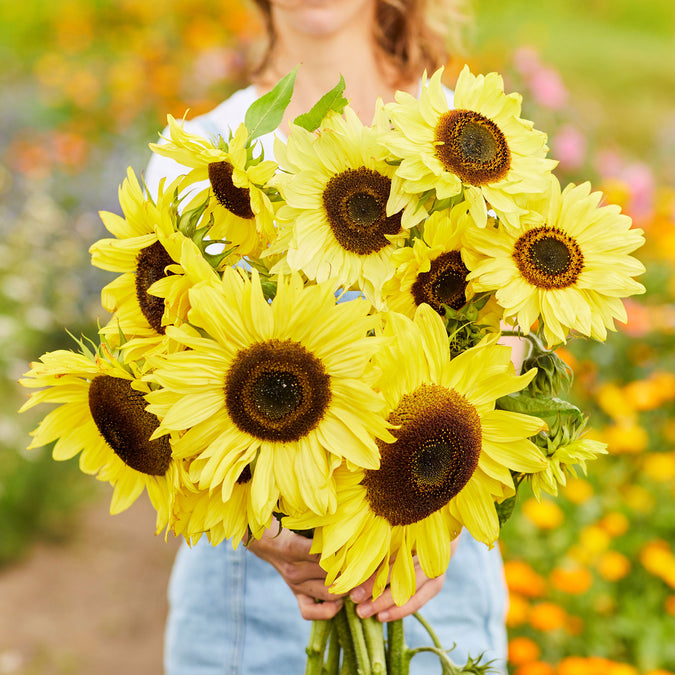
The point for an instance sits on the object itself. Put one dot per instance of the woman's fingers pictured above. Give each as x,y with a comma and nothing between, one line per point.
313,611
384,606
423,594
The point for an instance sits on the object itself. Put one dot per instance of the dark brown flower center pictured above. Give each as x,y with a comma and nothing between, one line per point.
245,476
472,147
355,202
548,258
235,199
277,391
443,284
119,413
151,265
434,456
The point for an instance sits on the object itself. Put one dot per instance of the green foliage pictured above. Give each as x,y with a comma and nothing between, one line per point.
266,113
330,101
39,500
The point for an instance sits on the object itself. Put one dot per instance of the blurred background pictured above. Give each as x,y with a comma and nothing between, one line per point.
86,84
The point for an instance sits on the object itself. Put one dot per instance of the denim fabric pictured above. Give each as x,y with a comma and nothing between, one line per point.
232,614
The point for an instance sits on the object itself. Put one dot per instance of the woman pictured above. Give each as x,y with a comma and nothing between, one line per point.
237,611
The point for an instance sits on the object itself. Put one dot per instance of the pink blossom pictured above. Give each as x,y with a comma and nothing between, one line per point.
548,88
569,147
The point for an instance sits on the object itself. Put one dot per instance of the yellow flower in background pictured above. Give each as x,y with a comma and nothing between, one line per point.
101,416
451,461
658,559
280,390
522,579
334,223
522,650
547,616
594,540
568,264
578,490
613,566
614,401
614,523
231,178
572,580
518,611
638,498
625,438
659,466
482,148
536,668
545,514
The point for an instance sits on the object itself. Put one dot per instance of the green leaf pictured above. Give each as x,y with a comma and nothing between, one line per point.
505,510
548,409
332,100
265,114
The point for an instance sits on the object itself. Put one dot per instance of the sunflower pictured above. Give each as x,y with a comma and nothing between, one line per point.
336,187
451,461
146,250
235,184
431,270
101,415
278,389
482,148
569,264
561,459
203,512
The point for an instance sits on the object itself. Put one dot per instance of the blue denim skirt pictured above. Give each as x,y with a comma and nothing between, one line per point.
230,613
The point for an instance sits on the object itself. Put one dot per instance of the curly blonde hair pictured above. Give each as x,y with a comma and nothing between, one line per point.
411,35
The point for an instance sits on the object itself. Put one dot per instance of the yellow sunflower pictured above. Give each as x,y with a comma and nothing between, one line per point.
561,459
204,512
482,148
146,250
280,389
235,180
430,271
569,264
336,187
451,461
101,415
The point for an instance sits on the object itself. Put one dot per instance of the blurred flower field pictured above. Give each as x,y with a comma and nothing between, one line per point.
86,85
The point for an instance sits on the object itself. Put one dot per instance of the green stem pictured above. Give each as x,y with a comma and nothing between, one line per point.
535,343
374,633
358,638
449,668
344,635
429,629
332,664
316,647
396,660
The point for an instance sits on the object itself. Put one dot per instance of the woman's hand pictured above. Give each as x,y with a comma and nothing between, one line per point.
384,607
289,554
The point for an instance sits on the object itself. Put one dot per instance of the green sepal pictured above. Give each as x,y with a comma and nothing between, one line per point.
553,374
505,510
214,259
265,114
330,101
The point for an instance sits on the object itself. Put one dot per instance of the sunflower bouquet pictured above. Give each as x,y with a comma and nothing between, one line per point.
319,340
